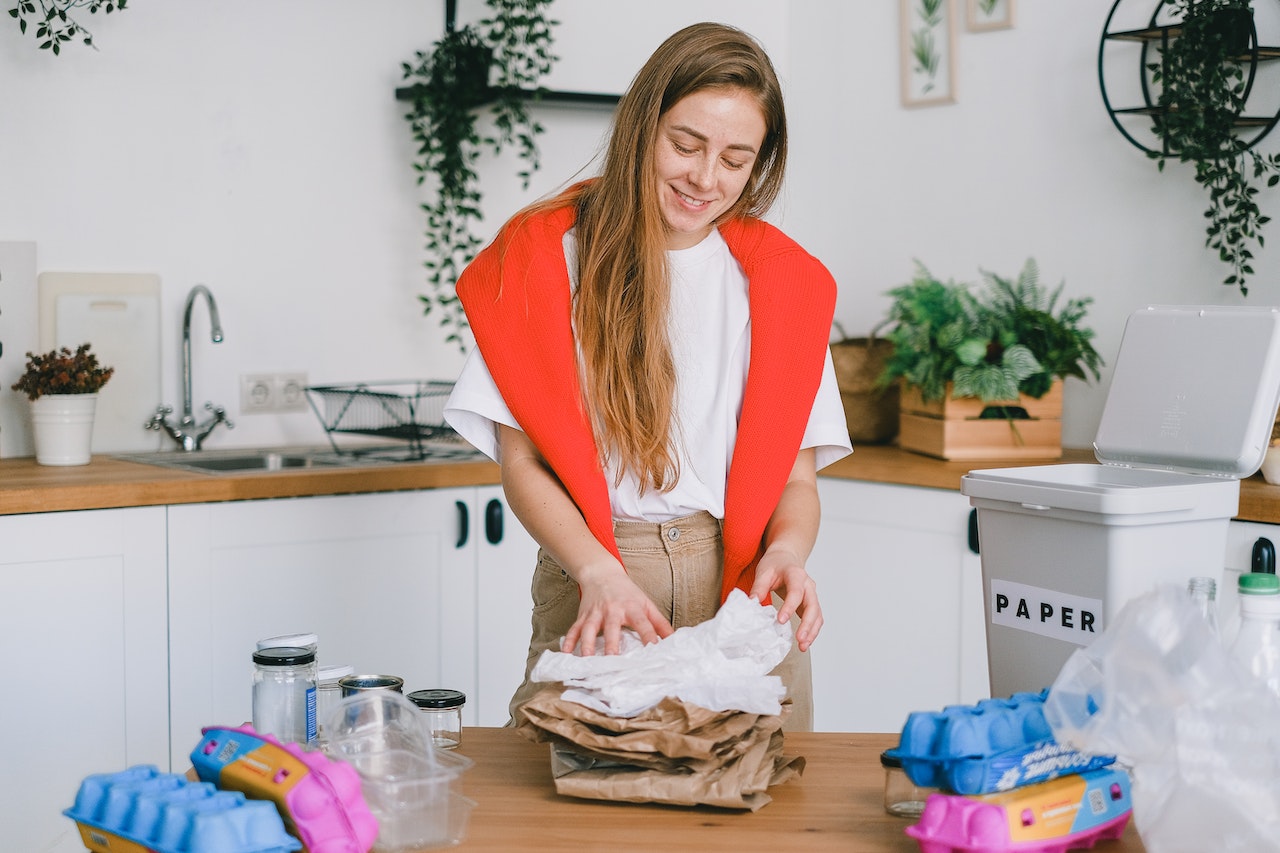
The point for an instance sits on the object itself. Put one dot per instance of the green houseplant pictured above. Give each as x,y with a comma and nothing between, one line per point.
981,367
498,63
63,389
1008,337
1203,89
54,24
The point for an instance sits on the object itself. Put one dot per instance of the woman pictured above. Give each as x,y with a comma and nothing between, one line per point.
652,370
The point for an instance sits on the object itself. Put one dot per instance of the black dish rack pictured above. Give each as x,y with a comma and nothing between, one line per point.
411,410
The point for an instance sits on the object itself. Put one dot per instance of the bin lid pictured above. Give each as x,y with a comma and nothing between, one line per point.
1194,389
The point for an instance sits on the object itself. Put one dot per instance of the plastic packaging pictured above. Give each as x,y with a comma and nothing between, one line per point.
318,798
442,710
1257,643
284,693
994,745
1200,736
409,785
142,808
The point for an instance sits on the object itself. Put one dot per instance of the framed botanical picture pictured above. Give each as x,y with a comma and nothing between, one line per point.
983,15
927,52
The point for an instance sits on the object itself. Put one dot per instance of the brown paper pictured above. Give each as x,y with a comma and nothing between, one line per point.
674,753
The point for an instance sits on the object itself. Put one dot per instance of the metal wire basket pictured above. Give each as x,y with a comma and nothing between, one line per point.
411,411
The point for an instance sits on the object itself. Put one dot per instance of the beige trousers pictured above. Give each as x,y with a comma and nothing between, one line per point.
678,564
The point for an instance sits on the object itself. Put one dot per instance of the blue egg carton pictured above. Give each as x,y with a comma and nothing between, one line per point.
994,745
168,813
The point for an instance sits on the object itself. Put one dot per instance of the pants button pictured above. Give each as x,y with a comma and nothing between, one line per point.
673,534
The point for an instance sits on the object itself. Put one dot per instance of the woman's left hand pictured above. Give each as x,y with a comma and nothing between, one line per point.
781,571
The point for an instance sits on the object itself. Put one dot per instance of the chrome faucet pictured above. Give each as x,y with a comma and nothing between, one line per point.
188,434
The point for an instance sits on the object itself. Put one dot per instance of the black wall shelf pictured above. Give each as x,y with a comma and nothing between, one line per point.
1155,36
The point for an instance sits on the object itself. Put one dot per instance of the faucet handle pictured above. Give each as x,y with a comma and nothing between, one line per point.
219,416
157,420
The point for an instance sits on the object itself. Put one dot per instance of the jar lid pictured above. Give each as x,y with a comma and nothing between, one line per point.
284,656
334,671
438,698
302,641
1259,583
887,760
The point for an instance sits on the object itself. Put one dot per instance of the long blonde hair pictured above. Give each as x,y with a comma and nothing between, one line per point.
621,304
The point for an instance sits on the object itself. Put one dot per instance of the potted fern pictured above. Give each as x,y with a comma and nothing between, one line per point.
982,367
63,389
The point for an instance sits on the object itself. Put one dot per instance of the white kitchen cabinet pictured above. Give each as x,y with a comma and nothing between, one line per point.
901,597
391,583
83,646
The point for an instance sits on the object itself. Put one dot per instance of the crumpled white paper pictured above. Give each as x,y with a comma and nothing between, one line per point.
722,664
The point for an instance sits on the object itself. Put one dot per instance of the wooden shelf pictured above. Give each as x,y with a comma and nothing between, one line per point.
548,97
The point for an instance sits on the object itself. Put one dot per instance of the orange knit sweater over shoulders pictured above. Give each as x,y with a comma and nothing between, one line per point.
518,301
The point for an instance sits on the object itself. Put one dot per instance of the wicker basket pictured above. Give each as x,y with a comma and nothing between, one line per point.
870,410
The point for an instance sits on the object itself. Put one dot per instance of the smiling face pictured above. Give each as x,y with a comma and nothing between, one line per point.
706,149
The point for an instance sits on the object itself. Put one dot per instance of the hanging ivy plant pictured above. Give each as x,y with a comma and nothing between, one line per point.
498,62
54,24
1203,92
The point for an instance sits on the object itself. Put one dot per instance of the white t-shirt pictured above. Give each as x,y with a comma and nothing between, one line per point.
710,333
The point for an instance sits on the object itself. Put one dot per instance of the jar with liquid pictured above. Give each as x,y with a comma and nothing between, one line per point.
284,693
443,710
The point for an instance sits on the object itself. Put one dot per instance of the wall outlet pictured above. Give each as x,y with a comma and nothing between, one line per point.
273,393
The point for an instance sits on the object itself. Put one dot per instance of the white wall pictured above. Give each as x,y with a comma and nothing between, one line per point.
257,147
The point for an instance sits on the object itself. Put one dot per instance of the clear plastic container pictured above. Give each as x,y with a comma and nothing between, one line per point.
408,785
284,693
1257,644
442,710
902,797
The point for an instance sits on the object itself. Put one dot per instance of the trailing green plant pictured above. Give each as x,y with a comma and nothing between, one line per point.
60,371
1203,89
498,63
993,343
54,24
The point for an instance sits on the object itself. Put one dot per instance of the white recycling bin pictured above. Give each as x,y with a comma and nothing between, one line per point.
1192,401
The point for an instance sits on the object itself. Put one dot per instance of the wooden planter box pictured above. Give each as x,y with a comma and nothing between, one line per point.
954,429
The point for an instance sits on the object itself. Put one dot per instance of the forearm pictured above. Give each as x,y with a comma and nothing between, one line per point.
545,509
793,527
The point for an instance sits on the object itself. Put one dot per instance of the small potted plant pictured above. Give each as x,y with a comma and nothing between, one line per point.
982,367
63,388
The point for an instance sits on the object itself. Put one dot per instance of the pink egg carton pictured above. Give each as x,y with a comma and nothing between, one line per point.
319,799
1067,813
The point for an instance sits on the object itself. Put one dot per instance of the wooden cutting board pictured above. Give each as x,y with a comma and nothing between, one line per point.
119,314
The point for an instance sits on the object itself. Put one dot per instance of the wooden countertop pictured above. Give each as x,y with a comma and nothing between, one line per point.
107,482
836,805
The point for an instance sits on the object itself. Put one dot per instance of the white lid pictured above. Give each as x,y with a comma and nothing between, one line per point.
301,641
1195,389
334,671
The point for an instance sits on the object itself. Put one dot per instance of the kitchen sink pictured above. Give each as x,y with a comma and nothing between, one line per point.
247,461
238,461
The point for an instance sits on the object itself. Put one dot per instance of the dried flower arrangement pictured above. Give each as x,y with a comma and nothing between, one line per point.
63,372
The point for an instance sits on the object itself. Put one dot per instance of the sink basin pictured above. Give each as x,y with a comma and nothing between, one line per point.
248,460
239,461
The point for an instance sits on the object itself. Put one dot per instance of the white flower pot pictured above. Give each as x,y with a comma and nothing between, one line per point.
63,428
1271,465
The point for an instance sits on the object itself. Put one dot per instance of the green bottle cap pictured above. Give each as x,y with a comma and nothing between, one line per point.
1259,583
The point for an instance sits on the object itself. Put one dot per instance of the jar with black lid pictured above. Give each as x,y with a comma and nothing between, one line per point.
443,710
284,693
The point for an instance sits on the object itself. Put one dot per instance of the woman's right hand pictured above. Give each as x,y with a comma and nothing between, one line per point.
611,602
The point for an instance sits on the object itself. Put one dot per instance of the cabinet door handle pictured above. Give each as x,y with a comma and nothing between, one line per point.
1264,556
493,521
464,523
973,531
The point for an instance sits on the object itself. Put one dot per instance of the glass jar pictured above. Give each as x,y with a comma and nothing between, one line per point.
284,693
902,797
353,684
328,692
443,710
